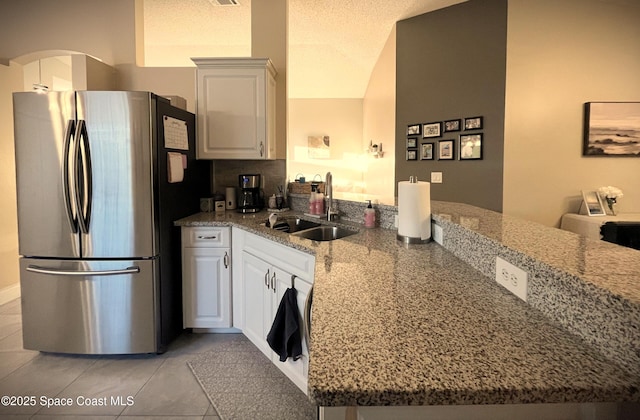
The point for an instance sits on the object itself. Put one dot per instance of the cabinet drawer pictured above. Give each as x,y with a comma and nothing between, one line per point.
206,237
295,262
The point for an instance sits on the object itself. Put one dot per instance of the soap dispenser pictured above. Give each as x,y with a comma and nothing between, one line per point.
369,216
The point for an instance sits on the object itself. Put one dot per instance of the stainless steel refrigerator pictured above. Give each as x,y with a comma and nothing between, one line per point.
100,257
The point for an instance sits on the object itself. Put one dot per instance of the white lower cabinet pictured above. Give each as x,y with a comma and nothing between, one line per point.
268,270
206,277
256,300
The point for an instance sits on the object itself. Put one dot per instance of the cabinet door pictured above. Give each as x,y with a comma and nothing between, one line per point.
297,370
256,300
232,114
206,288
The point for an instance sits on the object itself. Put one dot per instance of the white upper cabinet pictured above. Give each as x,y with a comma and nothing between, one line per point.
236,108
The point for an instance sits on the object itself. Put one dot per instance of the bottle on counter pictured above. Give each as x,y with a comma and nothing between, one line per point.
369,216
312,200
319,203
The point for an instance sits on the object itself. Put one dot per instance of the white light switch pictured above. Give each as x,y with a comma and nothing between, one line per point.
436,177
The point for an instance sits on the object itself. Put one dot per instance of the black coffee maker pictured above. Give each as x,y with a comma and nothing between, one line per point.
249,198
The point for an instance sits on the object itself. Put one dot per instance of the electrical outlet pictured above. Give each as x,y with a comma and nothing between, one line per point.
436,231
436,177
395,221
512,278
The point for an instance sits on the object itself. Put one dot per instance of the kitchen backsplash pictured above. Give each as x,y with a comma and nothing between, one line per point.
273,172
352,211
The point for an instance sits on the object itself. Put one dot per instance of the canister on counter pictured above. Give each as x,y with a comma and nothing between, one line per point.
206,204
230,196
272,201
219,203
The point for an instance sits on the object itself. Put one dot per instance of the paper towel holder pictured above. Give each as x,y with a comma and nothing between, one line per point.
413,179
410,240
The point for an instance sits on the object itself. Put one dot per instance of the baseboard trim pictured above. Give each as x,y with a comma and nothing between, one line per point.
9,293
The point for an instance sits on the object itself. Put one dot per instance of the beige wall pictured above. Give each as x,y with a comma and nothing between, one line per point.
94,74
379,120
170,81
10,81
269,38
341,120
588,51
103,29
351,125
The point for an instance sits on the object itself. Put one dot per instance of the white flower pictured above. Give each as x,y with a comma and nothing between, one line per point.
610,192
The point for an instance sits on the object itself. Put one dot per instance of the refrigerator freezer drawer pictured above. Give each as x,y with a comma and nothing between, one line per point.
89,307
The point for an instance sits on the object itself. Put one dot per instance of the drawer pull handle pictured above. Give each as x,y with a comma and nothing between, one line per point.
207,237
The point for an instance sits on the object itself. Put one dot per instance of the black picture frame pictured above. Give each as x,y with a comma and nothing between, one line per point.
446,150
432,129
426,151
412,142
451,125
412,154
413,130
603,136
473,123
470,146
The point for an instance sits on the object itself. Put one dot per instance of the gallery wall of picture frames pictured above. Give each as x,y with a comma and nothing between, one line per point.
431,140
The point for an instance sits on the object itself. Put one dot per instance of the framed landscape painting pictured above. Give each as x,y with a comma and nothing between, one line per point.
611,129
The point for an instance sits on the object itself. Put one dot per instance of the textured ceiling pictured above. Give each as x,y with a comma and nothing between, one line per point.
333,44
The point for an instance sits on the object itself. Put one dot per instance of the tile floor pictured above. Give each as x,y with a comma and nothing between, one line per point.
135,387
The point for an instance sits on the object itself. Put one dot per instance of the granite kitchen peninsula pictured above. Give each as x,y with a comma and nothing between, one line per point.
427,325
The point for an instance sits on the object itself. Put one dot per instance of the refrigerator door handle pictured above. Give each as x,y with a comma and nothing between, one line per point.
84,190
67,182
59,272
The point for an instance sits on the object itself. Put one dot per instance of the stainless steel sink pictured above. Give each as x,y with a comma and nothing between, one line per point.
325,233
298,224
294,224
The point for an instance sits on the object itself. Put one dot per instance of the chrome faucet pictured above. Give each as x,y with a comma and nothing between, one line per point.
328,192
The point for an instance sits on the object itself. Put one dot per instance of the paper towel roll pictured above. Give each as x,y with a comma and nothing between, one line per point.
175,170
414,211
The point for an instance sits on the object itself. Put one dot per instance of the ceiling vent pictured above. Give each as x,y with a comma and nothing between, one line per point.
224,2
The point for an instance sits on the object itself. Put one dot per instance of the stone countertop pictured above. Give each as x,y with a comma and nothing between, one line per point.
590,287
396,324
619,271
